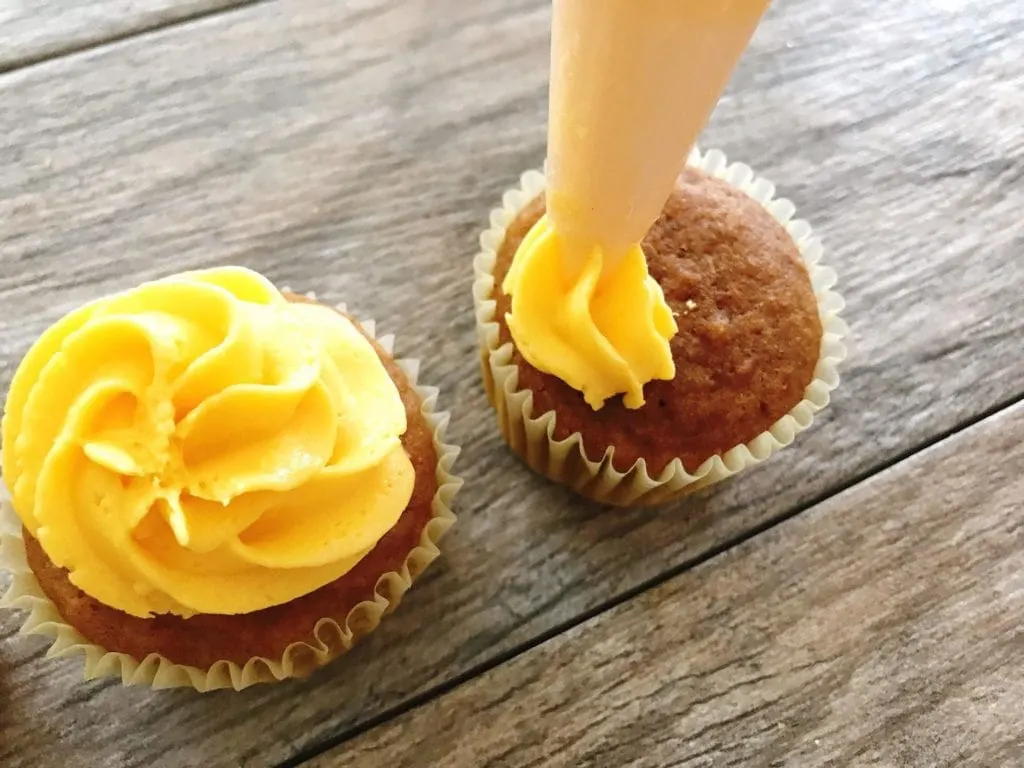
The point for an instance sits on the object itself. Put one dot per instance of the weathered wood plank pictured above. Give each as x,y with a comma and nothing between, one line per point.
357,150
32,31
882,627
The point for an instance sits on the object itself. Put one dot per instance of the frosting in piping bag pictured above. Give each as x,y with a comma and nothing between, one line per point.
632,84
574,328
201,445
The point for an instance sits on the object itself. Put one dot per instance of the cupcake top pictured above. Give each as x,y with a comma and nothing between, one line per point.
202,445
749,334
631,86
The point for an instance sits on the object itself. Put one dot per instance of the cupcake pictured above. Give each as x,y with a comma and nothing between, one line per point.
214,483
755,354
648,326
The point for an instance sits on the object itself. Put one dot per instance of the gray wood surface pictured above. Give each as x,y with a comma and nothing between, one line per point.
356,150
35,30
883,627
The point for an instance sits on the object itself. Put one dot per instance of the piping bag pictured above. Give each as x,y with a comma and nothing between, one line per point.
632,84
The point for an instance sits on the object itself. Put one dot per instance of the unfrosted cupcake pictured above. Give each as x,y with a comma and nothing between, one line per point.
755,352
216,484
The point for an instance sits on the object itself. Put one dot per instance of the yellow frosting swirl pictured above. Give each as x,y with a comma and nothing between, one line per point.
202,445
603,331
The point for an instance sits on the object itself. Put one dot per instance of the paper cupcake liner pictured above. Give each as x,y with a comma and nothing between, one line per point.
330,638
569,461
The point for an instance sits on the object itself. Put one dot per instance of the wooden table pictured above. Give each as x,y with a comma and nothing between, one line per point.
857,600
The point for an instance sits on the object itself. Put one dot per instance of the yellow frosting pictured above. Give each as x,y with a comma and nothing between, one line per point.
202,445
603,331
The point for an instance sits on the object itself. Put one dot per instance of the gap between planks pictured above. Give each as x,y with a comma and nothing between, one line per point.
83,45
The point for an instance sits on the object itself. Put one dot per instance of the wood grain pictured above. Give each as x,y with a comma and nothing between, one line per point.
357,151
34,30
882,627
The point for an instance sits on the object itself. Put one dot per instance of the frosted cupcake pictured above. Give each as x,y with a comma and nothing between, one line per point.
216,484
647,330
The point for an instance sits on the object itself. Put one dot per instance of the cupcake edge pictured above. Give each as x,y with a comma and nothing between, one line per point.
299,659
568,461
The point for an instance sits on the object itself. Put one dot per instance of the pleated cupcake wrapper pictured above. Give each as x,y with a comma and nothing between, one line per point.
330,638
591,472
